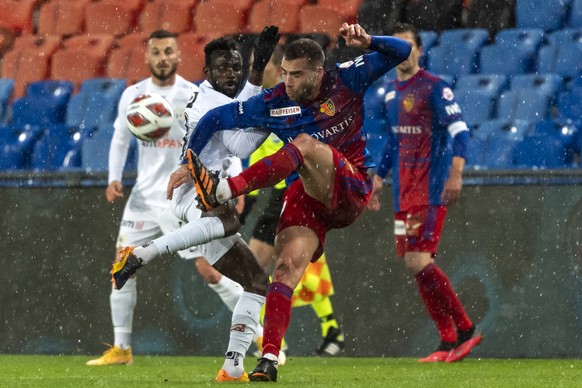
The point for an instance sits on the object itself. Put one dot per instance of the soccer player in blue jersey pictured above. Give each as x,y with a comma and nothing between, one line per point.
318,115
427,140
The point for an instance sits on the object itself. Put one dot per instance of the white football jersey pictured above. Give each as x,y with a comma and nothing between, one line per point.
215,154
156,160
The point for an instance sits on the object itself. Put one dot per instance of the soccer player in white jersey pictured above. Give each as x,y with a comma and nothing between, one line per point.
146,214
223,69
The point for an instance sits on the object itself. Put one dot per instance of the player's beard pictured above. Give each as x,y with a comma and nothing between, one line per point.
303,94
164,74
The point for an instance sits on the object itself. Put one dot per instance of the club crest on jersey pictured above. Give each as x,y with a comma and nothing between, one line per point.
327,107
408,102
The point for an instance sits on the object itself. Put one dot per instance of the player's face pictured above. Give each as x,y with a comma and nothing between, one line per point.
225,72
409,66
162,57
302,79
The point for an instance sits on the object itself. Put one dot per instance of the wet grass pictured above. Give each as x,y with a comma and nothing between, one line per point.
152,371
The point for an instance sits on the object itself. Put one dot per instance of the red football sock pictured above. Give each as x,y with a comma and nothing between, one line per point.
437,281
431,299
267,172
277,317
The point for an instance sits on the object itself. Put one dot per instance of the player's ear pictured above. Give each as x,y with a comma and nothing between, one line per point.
206,71
319,73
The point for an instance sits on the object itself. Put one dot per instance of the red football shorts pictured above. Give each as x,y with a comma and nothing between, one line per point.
419,229
351,193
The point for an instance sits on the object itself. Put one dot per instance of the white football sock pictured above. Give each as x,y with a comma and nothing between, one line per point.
223,192
198,232
122,304
228,290
245,320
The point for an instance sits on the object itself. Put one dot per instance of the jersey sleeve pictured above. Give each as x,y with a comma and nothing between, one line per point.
360,73
450,116
241,114
120,141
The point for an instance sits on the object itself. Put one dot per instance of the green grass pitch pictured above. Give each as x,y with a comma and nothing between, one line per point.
153,371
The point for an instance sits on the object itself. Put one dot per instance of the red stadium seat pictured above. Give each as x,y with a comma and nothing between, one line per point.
192,59
311,20
171,15
16,15
128,62
348,9
108,18
283,13
82,57
62,17
216,18
133,39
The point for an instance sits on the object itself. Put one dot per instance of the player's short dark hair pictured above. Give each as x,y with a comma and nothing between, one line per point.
401,28
161,34
277,56
224,43
305,48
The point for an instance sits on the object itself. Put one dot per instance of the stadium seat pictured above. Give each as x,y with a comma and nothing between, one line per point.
491,84
59,147
547,84
428,39
95,149
575,18
169,15
29,49
452,60
62,17
17,15
6,88
501,59
566,35
192,48
546,14
549,144
477,105
45,103
96,104
283,13
523,104
563,59
569,106
83,57
17,145
128,62
310,20
348,9
110,18
527,38
216,18
505,136
471,38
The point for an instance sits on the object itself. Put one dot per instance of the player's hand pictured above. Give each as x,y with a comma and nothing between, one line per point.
114,191
264,47
177,179
355,35
452,190
374,203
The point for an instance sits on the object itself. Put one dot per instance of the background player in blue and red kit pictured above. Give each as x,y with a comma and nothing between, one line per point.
427,140
318,115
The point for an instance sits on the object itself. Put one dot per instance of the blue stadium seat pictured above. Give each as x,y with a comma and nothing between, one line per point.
58,148
428,40
375,115
575,18
566,35
491,84
476,105
6,88
45,103
452,60
17,145
502,59
96,103
523,104
505,137
569,105
95,149
447,78
526,38
548,144
561,59
547,14
471,38
547,84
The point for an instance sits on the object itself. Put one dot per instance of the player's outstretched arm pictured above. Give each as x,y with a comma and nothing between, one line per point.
355,35
263,50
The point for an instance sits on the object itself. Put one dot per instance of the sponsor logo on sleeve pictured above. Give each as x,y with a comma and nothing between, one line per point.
448,94
453,109
389,96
